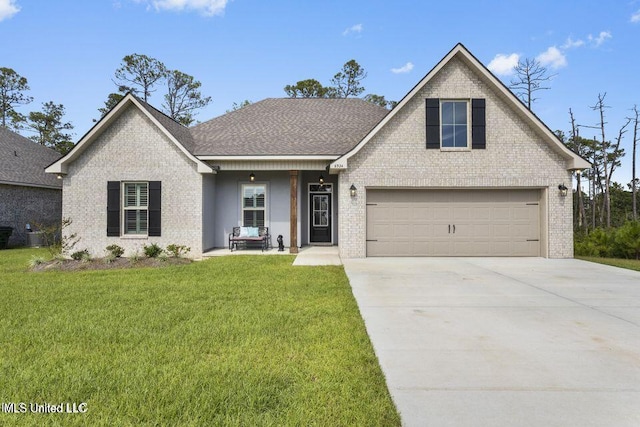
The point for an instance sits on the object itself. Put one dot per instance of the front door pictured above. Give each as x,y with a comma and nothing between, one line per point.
320,220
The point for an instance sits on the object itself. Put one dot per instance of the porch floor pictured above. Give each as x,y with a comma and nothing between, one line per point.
307,255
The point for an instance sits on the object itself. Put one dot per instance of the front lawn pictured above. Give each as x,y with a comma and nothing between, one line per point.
631,264
236,340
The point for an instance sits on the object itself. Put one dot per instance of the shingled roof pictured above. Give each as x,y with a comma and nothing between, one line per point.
22,161
288,126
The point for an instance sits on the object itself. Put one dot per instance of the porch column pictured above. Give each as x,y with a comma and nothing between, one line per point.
293,217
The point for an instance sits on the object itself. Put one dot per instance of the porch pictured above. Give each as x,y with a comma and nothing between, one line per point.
299,205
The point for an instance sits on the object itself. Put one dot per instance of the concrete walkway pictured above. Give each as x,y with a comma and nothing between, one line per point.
318,255
307,255
504,342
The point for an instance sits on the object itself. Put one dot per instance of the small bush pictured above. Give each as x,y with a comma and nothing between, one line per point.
110,258
152,251
36,261
115,250
135,257
178,251
80,255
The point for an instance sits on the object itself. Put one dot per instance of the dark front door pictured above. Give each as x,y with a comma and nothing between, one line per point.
320,230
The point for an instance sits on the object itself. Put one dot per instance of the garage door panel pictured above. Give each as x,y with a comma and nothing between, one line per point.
440,213
421,223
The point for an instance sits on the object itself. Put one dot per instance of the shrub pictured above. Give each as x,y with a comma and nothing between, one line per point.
115,250
56,239
598,242
36,261
80,255
178,251
152,251
627,240
135,257
110,258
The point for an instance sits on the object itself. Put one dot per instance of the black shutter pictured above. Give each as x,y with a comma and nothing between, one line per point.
433,123
113,208
155,204
478,124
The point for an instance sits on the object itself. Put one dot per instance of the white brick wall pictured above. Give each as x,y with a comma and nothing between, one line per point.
515,157
133,148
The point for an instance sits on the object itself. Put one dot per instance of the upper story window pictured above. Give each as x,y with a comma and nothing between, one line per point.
455,124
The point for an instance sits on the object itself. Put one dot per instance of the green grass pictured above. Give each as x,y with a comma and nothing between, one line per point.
630,264
229,341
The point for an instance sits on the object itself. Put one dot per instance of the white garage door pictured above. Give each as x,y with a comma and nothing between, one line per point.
453,222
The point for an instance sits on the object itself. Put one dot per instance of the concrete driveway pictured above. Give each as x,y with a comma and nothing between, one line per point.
504,341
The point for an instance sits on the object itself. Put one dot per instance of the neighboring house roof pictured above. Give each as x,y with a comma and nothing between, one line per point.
288,127
177,134
22,161
574,161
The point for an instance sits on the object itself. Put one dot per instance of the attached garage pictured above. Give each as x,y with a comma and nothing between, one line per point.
403,222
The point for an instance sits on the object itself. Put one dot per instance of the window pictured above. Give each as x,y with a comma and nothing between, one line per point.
135,205
451,124
254,202
455,129
134,208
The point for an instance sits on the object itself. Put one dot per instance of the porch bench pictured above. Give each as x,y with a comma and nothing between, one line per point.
249,236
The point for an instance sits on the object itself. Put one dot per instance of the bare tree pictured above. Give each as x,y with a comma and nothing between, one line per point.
634,188
578,147
531,77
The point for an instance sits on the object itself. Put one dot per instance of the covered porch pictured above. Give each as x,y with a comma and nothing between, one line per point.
301,205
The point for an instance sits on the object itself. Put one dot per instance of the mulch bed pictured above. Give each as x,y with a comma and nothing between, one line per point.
102,264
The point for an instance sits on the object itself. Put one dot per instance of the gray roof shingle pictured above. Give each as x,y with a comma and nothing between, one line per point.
288,126
22,161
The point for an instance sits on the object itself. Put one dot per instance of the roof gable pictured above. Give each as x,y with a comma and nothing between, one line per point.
573,161
176,133
22,161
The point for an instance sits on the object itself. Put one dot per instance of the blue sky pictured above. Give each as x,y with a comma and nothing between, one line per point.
251,49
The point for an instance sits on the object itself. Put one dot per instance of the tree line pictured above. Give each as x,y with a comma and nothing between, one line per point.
142,76
139,74
347,82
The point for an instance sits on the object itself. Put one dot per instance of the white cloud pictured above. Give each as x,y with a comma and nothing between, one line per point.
353,29
8,8
503,65
553,58
570,43
635,18
204,7
404,69
600,38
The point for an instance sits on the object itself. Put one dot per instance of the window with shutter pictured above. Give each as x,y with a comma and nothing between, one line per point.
455,124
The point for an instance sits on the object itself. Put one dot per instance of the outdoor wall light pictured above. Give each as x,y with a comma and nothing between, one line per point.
321,180
353,190
60,176
563,190
252,177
